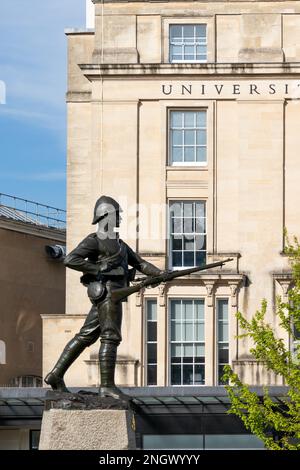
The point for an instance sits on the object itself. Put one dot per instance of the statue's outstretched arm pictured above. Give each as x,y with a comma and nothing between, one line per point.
141,265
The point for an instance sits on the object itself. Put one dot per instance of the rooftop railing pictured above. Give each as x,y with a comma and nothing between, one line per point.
32,212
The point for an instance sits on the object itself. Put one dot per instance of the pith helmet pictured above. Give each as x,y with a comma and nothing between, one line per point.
105,205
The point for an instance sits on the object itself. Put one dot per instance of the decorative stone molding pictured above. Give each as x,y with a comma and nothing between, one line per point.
285,281
285,288
210,290
234,288
139,298
162,289
199,184
211,281
215,276
92,71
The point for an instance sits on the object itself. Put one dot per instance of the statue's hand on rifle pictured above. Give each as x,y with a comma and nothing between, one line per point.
160,274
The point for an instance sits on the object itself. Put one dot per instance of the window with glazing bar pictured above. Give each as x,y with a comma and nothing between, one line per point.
188,43
295,339
187,342
222,338
151,342
188,137
187,233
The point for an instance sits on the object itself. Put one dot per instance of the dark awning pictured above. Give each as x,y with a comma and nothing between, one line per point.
26,403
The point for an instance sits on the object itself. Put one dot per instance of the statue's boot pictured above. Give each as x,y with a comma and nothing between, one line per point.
107,359
55,378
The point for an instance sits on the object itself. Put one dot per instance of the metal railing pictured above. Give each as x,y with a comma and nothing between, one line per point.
32,212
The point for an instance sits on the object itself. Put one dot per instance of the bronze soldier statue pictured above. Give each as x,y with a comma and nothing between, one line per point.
104,258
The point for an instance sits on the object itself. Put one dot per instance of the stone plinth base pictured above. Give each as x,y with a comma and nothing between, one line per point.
72,422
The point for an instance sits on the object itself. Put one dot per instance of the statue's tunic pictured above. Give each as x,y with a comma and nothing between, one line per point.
105,260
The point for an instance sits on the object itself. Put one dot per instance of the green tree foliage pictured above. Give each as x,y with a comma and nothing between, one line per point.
262,416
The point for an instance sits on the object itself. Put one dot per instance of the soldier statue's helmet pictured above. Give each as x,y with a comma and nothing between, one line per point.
104,206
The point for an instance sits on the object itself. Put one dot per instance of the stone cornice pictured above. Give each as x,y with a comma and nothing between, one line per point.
147,254
212,277
120,361
63,316
97,71
283,276
78,96
72,31
35,230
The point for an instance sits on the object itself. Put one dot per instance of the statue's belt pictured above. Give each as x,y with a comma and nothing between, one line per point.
97,291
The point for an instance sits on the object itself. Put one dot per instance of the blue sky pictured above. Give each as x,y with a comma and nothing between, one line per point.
33,122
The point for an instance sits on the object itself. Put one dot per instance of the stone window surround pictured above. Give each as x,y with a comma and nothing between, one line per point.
184,163
195,342
211,361
232,284
210,25
168,240
185,105
149,299
219,343
285,280
195,43
202,193
203,200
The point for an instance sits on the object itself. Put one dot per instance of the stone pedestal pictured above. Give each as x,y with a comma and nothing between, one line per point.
86,422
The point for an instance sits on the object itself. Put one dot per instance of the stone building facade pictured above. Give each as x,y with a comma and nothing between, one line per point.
191,106
32,283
